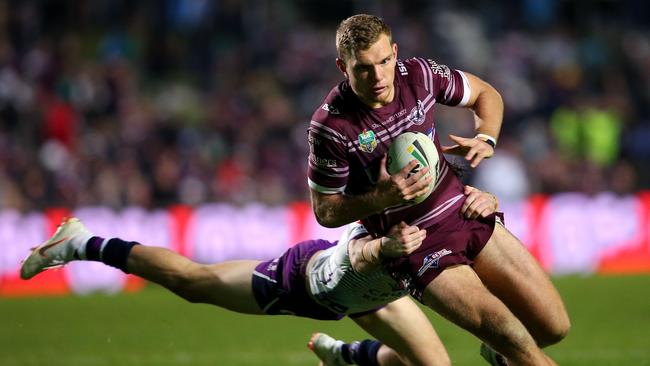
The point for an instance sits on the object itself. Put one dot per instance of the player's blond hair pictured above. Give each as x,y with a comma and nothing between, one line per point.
358,33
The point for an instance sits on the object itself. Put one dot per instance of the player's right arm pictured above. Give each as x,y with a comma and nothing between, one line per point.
333,209
329,174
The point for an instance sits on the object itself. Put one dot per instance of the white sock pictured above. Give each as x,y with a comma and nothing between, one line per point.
79,242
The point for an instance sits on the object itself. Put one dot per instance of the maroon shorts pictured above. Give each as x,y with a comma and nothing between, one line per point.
454,240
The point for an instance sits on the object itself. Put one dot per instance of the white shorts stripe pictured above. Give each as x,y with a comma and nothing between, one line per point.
262,275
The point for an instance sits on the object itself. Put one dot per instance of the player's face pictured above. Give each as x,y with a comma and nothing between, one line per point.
371,72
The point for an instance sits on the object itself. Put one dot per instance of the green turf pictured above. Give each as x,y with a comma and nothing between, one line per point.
611,326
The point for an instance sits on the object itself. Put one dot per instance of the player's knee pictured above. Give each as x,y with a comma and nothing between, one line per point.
506,333
556,331
179,285
183,283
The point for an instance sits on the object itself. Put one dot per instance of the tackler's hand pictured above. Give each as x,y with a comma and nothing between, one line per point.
478,203
402,239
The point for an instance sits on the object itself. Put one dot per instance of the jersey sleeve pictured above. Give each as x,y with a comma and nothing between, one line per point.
353,231
449,86
328,165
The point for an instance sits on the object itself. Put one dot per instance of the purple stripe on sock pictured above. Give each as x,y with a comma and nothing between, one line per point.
116,252
93,248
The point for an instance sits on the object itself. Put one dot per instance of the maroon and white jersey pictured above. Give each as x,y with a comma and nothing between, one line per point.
348,139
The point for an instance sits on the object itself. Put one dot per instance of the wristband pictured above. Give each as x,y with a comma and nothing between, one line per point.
487,139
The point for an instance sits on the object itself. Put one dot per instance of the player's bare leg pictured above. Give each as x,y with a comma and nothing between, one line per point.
511,273
407,335
227,285
460,296
404,337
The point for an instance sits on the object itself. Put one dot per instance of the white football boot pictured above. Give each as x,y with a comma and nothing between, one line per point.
56,251
327,349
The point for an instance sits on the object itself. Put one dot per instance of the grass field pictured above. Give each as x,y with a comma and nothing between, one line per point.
611,326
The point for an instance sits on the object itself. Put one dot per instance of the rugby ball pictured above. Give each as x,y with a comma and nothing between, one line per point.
414,146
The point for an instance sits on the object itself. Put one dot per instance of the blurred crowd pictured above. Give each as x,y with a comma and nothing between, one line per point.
153,103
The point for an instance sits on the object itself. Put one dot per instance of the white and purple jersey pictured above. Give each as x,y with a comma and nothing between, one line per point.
335,283
316,279
348,139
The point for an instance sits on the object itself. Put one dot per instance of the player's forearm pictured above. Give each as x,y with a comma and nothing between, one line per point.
488,110
366,256
336,210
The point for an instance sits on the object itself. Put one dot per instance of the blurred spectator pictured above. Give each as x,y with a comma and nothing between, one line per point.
185,101
505,174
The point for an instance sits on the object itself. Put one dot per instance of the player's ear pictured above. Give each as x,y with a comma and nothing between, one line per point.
340,64
395,49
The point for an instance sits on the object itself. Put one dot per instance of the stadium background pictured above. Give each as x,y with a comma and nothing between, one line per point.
182,123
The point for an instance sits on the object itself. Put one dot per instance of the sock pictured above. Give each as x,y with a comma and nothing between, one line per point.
362,353
91,249
345,351
113,252
79,241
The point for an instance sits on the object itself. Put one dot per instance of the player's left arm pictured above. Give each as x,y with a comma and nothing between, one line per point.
367,254
487,105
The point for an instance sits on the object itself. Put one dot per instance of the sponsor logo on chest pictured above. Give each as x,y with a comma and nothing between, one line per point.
395,116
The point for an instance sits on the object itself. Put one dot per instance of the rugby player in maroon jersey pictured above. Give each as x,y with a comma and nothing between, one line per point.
472,271
317,279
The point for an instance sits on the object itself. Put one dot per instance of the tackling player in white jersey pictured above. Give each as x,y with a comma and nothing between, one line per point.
316,279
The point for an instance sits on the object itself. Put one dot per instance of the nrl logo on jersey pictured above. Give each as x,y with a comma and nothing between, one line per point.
432,260
367,141
330,108
417,114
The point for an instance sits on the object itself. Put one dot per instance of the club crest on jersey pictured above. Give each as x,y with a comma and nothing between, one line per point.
432,260
367,141
417,114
